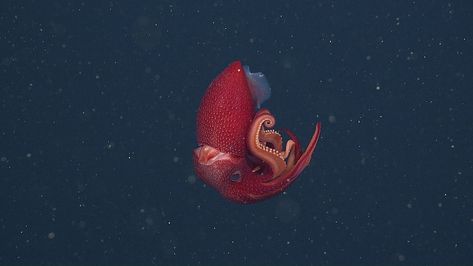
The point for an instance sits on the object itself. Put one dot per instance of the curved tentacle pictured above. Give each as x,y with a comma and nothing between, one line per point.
273,137
260,134
269,155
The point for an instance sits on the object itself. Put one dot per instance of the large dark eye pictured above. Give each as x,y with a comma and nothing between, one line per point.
236,176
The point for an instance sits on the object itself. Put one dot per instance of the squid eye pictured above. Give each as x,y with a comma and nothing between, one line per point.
235,177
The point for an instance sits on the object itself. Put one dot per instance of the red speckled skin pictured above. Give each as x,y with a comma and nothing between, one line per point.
223,122
226,112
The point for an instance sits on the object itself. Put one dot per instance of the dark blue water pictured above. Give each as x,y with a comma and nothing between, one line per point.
97,127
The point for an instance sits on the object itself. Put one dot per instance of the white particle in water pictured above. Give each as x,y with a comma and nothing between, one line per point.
191,179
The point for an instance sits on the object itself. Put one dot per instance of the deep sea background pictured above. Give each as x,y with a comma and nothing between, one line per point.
97,126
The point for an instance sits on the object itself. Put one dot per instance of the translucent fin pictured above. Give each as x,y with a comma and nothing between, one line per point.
259,86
